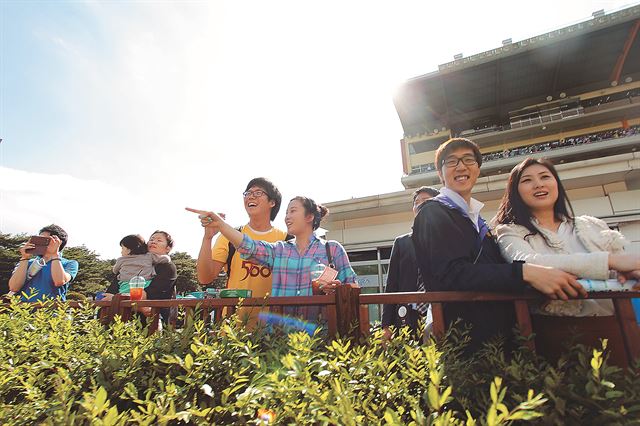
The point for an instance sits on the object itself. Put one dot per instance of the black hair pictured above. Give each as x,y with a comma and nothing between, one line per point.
425,190
58,232
135,244
166,235
311,207
512,208
273,193
454,144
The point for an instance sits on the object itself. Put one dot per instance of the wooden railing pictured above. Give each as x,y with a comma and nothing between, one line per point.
624,314
346,309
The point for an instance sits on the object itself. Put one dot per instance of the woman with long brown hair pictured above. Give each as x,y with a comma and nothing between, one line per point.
536,224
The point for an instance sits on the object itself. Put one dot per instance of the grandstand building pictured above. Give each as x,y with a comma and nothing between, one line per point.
571,95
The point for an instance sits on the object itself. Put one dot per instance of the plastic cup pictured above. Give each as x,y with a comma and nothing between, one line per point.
136,285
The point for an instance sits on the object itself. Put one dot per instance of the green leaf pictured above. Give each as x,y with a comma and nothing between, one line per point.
445,395
111,417
433,395
492,416
101,398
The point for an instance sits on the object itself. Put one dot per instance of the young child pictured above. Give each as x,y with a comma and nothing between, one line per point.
136,261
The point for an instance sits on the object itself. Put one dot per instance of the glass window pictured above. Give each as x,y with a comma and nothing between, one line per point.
385,253
360,256
368,276
368,279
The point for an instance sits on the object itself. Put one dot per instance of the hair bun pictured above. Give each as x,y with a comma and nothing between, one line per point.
323,210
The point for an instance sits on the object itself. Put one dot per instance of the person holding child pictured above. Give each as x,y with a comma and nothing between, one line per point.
163,284
136,260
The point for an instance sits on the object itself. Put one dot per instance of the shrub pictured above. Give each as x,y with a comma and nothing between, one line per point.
61,366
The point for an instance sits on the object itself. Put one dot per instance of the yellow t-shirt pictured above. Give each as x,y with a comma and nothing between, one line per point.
244,273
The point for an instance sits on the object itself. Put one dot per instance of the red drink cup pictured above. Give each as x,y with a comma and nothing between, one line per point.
135,293
136,285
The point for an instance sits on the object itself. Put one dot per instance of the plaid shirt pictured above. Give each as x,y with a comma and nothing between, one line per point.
291,272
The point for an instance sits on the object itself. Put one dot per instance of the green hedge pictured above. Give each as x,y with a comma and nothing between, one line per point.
60,366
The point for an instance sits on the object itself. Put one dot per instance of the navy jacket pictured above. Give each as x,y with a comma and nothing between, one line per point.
403,275
446,245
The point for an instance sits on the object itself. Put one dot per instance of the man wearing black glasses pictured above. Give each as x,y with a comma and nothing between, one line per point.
262,202
456,252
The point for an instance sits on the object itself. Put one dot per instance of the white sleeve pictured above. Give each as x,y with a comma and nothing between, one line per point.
584,265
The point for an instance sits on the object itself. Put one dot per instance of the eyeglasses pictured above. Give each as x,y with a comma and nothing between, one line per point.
257,193
453,161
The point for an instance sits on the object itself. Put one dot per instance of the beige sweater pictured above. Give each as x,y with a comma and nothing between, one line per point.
592,232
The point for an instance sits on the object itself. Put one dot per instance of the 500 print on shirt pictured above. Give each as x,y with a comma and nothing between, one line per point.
254,270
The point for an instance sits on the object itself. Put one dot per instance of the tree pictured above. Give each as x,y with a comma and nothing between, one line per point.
187,277
94,274
9,256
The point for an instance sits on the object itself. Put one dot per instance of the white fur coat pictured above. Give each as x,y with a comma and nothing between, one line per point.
516,244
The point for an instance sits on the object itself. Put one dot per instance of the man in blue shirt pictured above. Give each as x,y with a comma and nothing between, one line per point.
47,276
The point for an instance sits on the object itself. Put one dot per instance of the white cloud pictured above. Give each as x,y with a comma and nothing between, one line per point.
92,212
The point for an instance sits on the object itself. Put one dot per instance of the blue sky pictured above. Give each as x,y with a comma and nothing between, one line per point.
115,115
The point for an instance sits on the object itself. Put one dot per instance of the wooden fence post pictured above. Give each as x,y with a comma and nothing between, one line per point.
113,309
629,328
523,319
155,320
348,311
437,313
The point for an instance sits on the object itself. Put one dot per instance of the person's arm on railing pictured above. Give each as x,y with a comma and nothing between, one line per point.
514,247
593,265
553,283
449,265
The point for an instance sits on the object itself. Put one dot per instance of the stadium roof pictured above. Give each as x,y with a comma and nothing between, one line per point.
573,60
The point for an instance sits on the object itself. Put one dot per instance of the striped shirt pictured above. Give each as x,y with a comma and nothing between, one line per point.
291,271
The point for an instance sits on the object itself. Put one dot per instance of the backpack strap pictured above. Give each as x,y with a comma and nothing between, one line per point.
329,257
232,251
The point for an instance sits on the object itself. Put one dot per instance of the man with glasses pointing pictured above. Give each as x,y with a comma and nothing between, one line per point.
455,251
262,201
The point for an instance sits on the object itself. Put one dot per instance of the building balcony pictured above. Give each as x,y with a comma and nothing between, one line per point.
496,163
